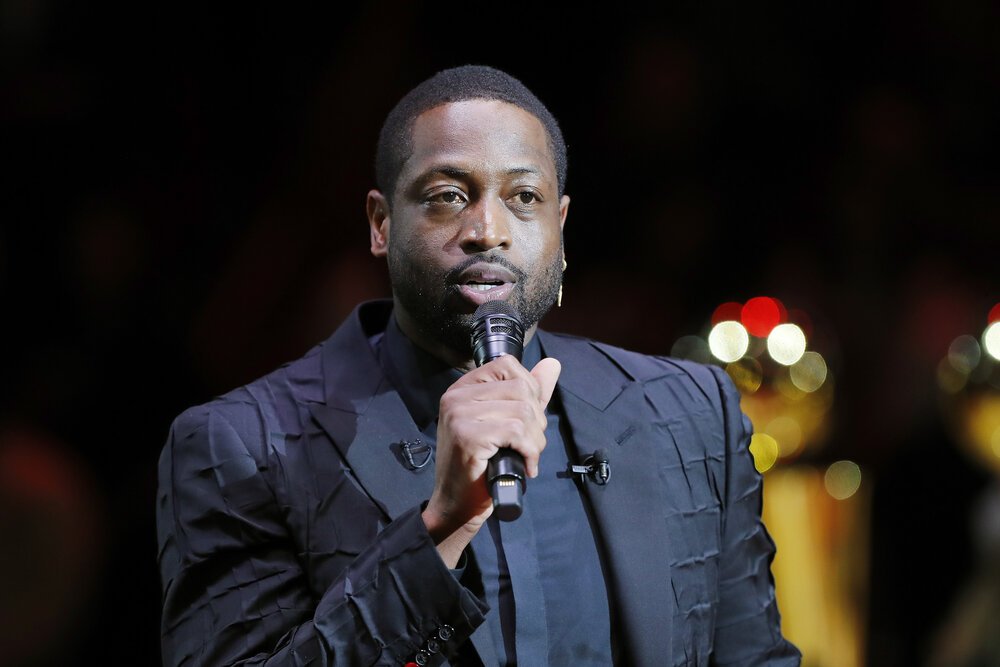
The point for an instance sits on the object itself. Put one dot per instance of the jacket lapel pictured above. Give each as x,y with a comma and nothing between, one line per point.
367,421
607,410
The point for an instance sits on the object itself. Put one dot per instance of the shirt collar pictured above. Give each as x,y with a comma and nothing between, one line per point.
421,378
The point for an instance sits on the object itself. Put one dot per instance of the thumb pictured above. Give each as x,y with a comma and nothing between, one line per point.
546,372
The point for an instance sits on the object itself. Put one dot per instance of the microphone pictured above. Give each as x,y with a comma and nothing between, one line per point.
596,466
497,330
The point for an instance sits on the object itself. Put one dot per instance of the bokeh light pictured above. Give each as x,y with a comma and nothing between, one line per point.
994,315
727,311
788,433
842,479
991,340
950,380
765,451
808,373
964,354
786,344
761,314
691,347
728,341
747,374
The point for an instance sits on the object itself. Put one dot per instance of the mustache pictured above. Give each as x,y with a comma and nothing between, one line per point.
454,274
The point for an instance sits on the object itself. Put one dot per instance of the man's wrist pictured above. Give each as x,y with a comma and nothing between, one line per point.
450,542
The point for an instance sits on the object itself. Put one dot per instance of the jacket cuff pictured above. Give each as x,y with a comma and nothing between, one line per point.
401,599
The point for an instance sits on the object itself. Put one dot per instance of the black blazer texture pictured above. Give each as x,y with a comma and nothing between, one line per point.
290,532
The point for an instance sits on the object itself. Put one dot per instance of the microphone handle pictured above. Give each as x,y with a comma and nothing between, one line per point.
506,479
497,331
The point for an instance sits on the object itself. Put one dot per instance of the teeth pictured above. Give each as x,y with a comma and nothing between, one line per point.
481,287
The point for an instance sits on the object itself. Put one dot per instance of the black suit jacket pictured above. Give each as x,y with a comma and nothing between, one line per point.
290,532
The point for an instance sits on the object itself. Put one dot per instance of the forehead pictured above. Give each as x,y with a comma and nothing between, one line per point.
483,134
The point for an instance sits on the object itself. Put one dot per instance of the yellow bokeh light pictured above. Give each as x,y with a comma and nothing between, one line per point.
765,451
786,343
809,372
783,383
788,433
842,479
964,354
728,341
747,374
991,340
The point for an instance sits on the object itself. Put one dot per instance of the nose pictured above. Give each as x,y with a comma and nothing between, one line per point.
485,227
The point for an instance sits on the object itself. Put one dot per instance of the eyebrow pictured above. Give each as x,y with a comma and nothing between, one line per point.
458,173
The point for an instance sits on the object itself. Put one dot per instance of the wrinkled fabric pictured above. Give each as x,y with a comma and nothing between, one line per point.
289,530
269,550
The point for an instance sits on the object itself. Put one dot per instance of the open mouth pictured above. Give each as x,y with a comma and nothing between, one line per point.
485,281
484,286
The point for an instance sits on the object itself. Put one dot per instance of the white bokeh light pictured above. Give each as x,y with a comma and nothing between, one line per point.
786,344
809,372
842,479
991,340
728,341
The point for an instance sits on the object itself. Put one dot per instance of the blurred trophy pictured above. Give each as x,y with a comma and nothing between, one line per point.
816,510
969,381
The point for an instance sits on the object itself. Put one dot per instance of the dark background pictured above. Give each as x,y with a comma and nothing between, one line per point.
183,209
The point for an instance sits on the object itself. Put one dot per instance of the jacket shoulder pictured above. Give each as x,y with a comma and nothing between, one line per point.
271,403
652,369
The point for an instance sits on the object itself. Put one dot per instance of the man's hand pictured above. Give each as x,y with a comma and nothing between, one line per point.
499,404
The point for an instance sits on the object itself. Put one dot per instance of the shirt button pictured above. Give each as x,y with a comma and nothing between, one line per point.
445,632
421,658
432,647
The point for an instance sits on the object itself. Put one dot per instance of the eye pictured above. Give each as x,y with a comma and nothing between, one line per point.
446,198
526,197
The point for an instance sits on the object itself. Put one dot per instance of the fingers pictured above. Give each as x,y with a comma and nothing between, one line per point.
546,373
505,367
542,378
500,404
487,425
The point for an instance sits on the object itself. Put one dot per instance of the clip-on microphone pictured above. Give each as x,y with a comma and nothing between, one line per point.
596,467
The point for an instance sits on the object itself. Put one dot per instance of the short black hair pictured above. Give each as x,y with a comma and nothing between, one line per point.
458,84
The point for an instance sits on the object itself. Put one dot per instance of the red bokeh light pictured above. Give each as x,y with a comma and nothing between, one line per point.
994,314
728,311
761,314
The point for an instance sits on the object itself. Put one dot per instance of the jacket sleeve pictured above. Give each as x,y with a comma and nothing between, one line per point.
235,590
748,626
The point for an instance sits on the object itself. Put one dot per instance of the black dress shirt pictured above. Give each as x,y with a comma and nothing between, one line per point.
541,574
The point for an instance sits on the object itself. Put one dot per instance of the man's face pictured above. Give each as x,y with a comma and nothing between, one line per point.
476,216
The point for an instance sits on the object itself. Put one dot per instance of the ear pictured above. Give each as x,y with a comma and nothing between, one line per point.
563,210
377,208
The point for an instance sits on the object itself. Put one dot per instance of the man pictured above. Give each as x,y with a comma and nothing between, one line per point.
335,511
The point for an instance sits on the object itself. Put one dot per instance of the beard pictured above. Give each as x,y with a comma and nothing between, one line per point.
434,303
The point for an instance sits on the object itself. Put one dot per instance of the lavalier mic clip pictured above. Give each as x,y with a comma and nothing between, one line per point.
596,467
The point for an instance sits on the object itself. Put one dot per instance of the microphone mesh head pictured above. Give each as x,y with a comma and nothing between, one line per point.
496,308
496,330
